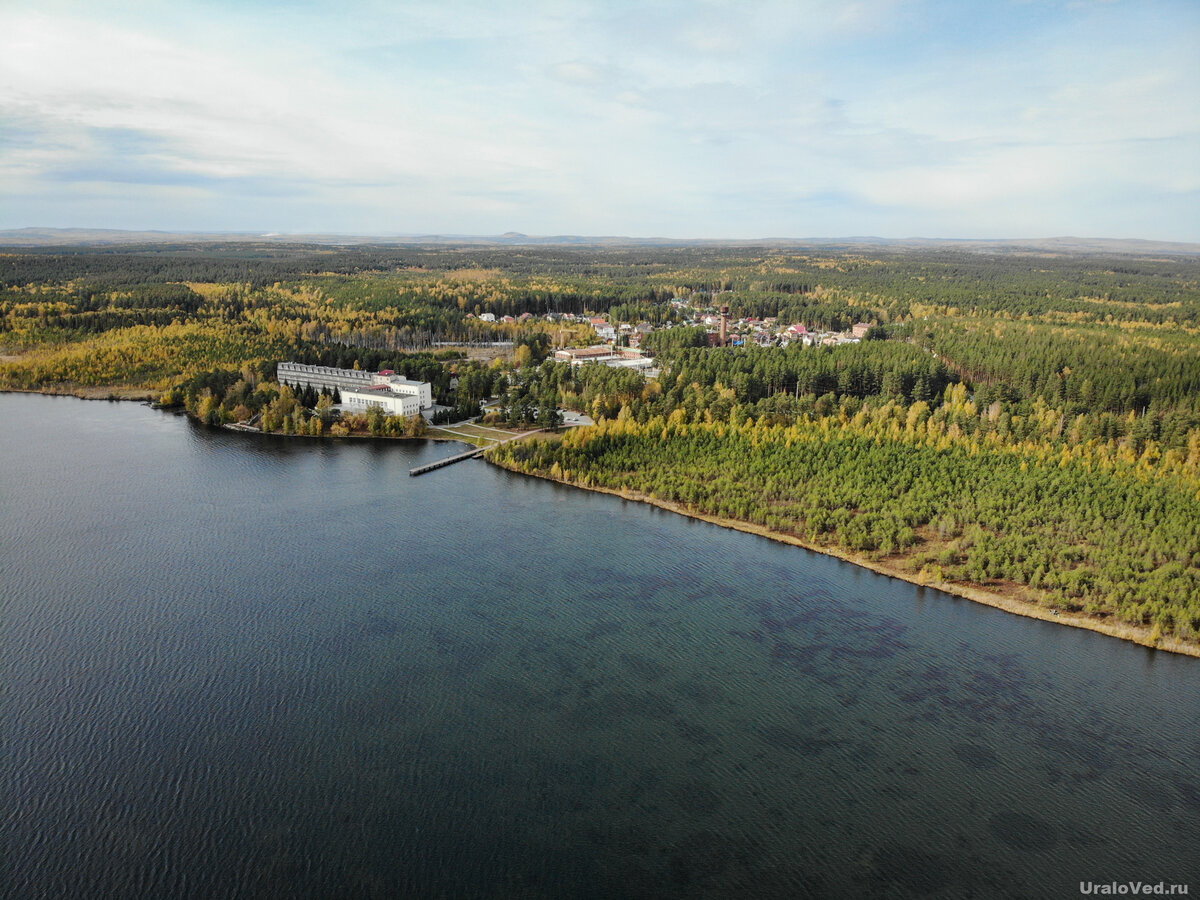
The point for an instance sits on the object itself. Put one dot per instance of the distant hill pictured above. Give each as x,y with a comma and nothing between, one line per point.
1059,246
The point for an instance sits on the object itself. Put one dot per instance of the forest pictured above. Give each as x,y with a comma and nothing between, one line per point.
1028,423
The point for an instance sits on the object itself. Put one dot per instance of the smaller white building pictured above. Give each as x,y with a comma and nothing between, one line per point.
393,403
641,363
397,384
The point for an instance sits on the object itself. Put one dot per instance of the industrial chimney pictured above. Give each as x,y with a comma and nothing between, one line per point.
724,325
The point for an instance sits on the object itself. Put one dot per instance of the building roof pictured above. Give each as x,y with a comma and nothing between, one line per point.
589,351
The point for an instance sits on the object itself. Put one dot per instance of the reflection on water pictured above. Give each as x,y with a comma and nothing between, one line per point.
238,667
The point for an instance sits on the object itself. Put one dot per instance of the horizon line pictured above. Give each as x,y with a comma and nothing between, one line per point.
30,232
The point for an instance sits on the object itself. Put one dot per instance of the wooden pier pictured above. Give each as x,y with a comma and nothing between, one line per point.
448,461
470,454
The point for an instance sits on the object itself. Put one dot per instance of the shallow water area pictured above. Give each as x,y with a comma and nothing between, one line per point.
249,667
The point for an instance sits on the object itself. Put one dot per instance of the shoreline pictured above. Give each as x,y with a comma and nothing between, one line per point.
354,436
237,428
140,395
111,394
1122,631
1139,635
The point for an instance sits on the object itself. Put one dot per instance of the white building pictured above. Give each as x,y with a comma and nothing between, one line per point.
422,390
324,378
605,355
394,404
641,363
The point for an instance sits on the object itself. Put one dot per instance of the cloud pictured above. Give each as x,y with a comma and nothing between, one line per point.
615,116
577,73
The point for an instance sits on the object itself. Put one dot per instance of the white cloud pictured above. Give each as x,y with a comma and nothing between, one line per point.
589,115
231,117
577,72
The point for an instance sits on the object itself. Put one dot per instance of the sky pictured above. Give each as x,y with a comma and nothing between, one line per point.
740,120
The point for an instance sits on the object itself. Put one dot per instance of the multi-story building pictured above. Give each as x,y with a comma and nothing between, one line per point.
298,375
370,388
422,390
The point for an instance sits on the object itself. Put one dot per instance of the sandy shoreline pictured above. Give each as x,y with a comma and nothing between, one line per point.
1121,630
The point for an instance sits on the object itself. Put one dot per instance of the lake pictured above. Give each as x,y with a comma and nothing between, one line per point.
245,667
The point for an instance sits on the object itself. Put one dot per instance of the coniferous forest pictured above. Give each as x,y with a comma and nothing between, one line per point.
1027,424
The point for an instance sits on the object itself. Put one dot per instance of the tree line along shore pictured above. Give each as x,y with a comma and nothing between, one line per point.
1024,431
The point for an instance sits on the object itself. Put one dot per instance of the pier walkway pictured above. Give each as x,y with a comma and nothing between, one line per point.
448,461
469,454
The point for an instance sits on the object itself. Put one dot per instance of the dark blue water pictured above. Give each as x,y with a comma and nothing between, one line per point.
236,667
